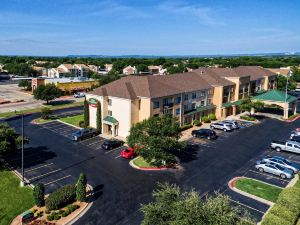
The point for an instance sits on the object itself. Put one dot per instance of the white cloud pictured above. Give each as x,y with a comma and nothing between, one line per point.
205,15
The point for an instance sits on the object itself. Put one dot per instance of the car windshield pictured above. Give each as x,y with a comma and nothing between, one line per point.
279,167
107,142
287,162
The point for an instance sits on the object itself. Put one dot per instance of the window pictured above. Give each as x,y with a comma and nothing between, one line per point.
202,103
177,111
186,97
289,145
109,113
186,107
193,105
156,115
178,100
109,101
194,95
155,104
208,101
202,93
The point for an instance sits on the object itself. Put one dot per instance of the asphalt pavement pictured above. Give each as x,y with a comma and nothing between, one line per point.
54,159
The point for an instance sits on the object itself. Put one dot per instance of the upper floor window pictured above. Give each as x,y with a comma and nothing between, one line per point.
177,111
202,93
186,107
202,103
186,97
109,101
109,113
193,105
155,104
178,100
194,95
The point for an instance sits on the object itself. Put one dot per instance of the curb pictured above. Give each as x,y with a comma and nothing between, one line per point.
292,120
68,124
233,188
147,168
84,210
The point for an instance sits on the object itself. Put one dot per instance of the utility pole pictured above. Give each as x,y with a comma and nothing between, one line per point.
22,181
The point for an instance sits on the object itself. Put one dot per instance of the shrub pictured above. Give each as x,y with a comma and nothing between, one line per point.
248,118
284,213
290,197
196,123
81,124
39,194
206,119
61,211
34,210
61,197
81,188
47,211
65,213
271,219
212,116
185,127
56,217
39,214
50,217
45,113
71,208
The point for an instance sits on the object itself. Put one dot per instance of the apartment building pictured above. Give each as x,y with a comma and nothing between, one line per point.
185,96
130,70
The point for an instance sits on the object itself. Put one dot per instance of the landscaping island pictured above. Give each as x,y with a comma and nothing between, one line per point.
258,188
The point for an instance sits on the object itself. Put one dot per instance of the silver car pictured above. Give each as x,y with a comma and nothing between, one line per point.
221,126
233,123
282,162
275,169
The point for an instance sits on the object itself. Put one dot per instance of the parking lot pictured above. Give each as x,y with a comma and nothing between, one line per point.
54,159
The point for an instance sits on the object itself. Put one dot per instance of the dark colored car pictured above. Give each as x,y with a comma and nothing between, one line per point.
204,133
295,94
84,133
111,144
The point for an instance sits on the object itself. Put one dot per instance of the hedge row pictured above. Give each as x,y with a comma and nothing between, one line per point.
61,197
185,127
287,208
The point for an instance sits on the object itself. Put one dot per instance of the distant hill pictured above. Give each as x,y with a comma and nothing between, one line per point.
188,56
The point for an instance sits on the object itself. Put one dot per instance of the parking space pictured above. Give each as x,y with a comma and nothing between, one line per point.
60,128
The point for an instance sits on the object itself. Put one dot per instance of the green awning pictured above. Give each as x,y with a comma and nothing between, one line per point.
200,109
110,120
236,103
275,96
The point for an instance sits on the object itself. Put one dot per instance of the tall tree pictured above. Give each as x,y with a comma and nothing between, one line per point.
39,194
172,206
86,112
47,92
81,188
158,138
99,118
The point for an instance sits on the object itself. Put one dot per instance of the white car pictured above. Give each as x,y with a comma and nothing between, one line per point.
275,169
233,123
79,95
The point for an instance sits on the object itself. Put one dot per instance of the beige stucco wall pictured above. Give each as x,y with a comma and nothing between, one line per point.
145,109
135,111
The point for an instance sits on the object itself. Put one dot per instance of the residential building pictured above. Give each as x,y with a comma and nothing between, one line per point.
185,96
108,67
57,72
41,71
284,71
157,70
130,70
82,69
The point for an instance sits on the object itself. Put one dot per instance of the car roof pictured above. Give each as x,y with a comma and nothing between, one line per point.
293,142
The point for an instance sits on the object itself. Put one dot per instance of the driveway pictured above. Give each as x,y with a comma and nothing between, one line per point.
120,189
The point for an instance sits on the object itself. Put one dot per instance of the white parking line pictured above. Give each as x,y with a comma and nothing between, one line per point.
51,182
49,164
118,156
86,140
53,126
249,207
112,150
93,143
268,175
45,174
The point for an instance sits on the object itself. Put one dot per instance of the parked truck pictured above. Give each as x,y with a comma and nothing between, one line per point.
290,146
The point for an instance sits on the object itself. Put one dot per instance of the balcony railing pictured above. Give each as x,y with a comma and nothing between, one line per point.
168,105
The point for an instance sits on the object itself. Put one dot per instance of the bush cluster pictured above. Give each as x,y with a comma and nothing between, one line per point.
81,188
61,197
248,118
287,208
196,123
185,127
212,116
206,119
62,213
38,194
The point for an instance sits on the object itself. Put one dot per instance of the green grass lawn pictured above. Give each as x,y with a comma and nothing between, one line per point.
53,107
13,199
258,188
140,162
73,120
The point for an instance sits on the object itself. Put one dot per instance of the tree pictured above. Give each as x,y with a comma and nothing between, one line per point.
45,113
47,92
81,188
99,119
39,194
142,68
172,206
281,83
158,139
24,84
248,105
9,139
86,112
296,74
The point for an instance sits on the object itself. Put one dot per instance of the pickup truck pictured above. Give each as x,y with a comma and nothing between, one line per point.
290,146
84,133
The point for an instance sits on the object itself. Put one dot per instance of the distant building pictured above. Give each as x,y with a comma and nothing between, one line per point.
129,70
108,67
41,71
284,71
157,70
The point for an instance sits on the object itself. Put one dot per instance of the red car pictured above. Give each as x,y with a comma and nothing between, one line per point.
128,153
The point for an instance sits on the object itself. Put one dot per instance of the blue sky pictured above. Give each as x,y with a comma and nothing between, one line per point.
151,27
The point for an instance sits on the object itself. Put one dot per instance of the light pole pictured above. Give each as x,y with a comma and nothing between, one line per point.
285,100
22,183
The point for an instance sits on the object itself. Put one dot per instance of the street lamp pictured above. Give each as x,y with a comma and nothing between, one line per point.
22,183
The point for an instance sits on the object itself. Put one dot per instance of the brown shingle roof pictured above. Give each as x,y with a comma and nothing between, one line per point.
132,87
212,77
